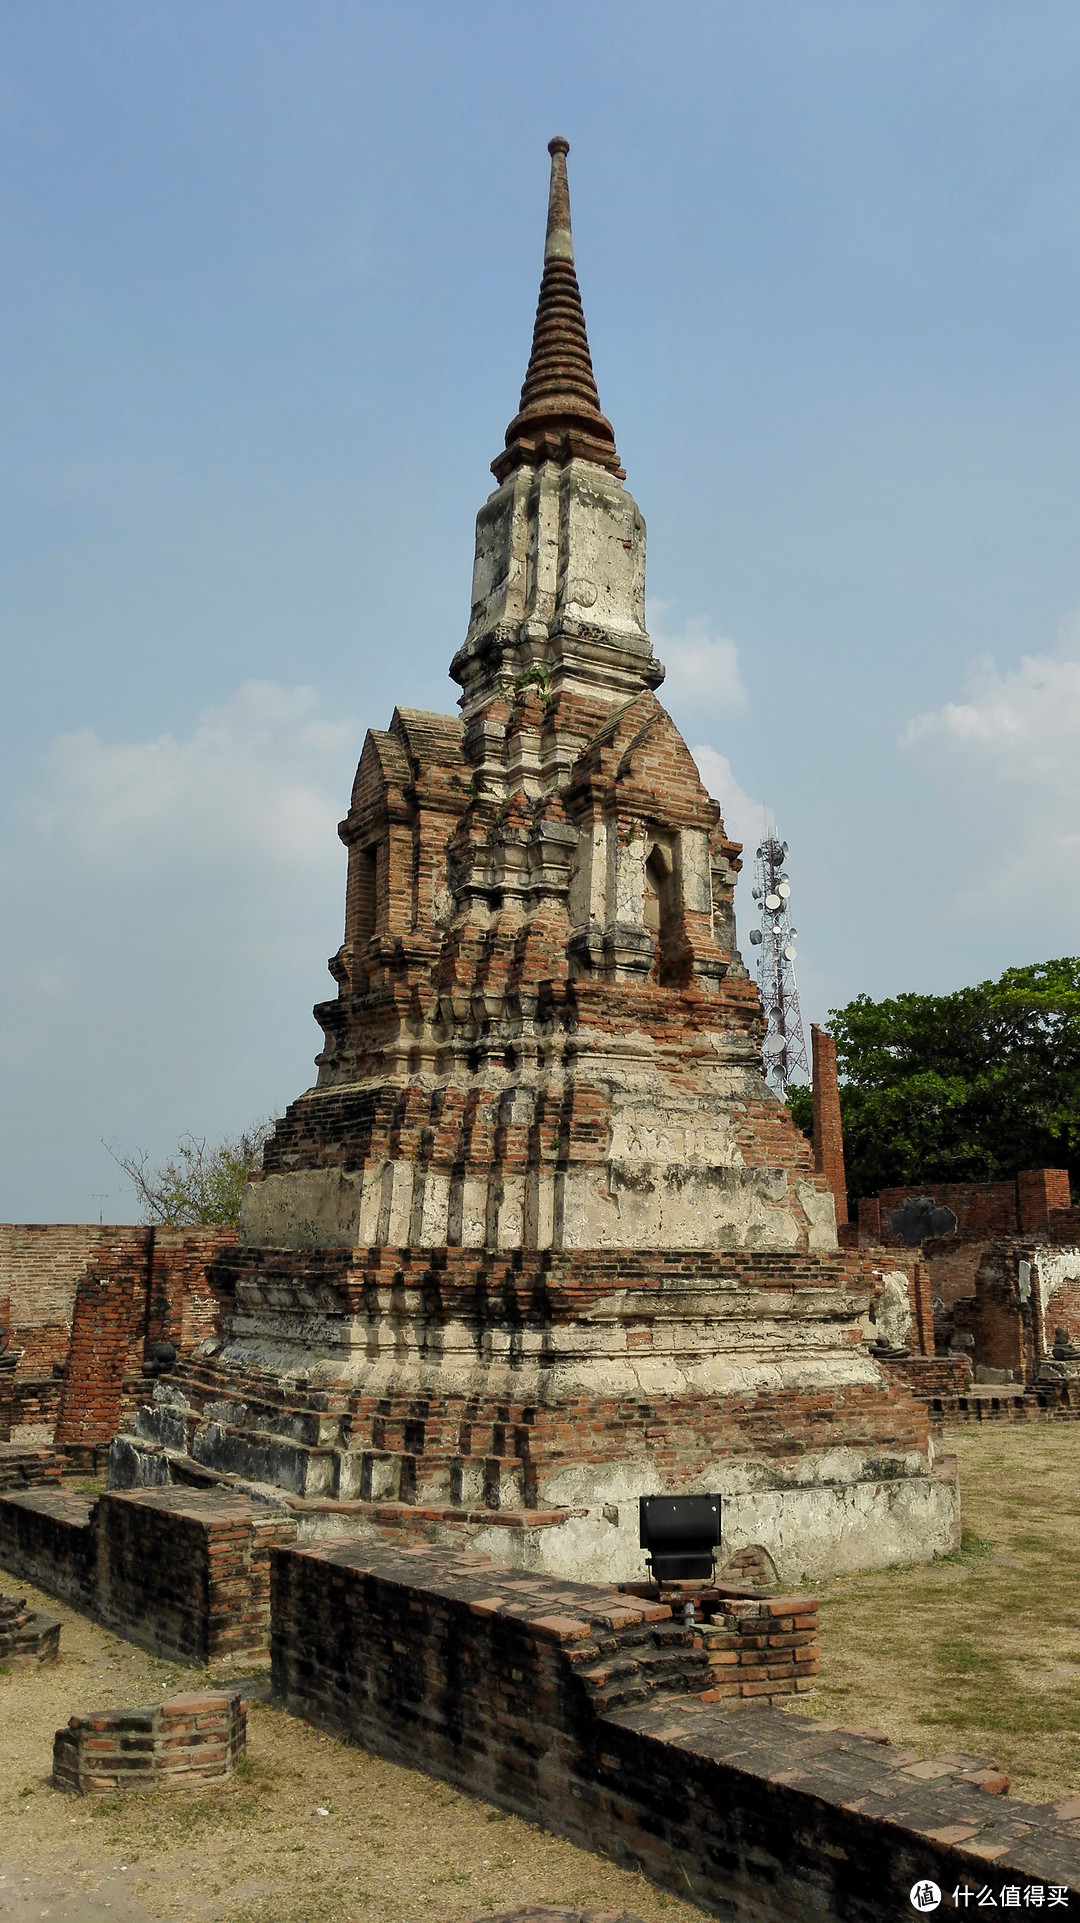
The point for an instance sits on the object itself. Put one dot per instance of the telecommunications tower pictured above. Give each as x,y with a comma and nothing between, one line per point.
784,1048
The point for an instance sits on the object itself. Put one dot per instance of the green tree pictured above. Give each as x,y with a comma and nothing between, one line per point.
973,1086
198,1183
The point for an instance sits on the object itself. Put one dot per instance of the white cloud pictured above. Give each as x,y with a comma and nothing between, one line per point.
1023,726
250,782
169,904
1011,748
702,666
744,817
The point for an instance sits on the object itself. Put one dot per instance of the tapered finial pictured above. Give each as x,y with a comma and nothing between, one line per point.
560,240
559,417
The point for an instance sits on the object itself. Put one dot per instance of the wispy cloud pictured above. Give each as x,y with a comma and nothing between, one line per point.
702,665
1011,745
168,905
744,816
253,781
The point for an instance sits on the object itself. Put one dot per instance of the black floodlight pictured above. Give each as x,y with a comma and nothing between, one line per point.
679,1535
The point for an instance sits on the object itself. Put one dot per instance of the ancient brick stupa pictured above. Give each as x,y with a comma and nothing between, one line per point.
540,1239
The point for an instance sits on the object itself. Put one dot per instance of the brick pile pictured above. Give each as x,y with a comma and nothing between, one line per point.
179,1744
28,1639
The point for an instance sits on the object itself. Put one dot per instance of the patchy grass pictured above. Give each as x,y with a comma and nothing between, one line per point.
983,1645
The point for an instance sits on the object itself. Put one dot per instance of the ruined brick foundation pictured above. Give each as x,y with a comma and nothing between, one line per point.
184,1743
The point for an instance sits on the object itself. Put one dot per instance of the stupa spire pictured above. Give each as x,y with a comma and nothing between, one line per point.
559,417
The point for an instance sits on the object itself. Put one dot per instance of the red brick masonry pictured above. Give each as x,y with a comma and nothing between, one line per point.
582,1709
174,1745
182,1572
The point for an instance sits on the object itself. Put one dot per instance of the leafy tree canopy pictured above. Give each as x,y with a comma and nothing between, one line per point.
198,1183
968,1087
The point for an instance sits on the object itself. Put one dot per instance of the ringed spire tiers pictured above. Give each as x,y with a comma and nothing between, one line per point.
559,416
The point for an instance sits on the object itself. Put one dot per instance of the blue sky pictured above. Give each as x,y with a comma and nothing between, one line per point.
271,273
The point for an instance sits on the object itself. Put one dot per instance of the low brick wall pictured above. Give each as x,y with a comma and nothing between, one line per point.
586,1710
929,1376
36,1399
182,1572
763,1648
179,1744
46,1538
187,1571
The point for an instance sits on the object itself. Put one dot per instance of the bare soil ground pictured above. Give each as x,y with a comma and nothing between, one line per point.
980,1652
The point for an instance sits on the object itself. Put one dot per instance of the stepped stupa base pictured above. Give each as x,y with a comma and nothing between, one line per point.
527,1401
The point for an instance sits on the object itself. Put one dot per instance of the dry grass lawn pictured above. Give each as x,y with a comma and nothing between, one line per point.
980,1652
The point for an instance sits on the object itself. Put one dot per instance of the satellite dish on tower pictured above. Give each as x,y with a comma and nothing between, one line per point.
772,901
783,888
755,936
775,1044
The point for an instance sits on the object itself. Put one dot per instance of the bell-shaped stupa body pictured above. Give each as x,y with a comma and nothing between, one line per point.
540,1239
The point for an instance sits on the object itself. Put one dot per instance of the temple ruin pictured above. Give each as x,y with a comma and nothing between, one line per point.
540,1239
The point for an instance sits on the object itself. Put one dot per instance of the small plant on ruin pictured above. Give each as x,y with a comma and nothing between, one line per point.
200,1184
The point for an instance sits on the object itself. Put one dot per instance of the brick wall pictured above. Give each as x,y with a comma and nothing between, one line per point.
182,1572
953,1266
189,1294
179,1744
930,1376
147,1285
1040,1193
1024,1204
551,1699
40,1264
107,1332
1062,1310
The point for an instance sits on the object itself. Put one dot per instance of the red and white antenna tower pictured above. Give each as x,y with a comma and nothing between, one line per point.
784,1048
